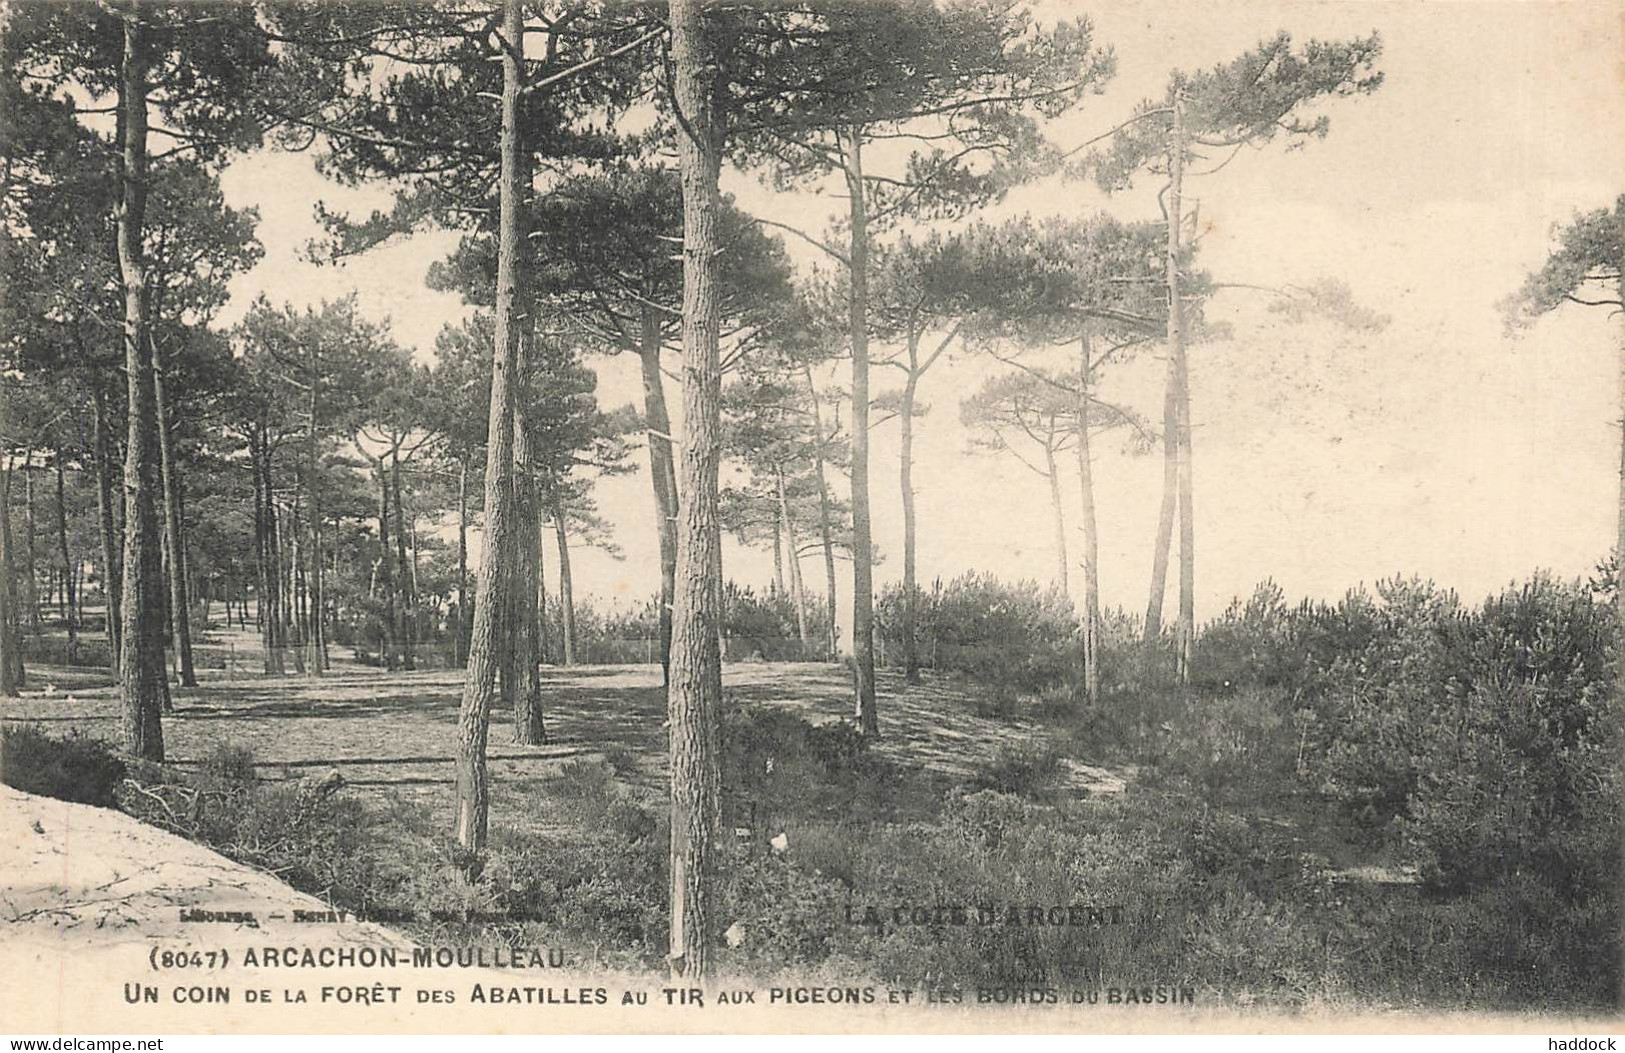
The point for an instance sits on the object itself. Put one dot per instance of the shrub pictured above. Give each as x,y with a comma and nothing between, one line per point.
1510,943
308,833
993,851
1234,746
1029,770
1249,644
53,650
784,775
1521,771
756,626
583,779
75,768
787,916
227,767
1384,699
1131,665
621,760
584,791
1017,635
1485,733
775,764
599,888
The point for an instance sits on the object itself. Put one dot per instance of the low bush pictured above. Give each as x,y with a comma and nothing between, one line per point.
598,888
1018,636
621,760
757,626
227,767
53,649
776,765
75,768
1030,770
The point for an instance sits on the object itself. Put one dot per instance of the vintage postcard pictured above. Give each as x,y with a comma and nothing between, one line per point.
1008,516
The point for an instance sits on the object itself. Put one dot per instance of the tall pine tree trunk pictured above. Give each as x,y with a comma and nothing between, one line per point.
863,610
102,459
1185,628
279,574
1179,373
911,598
538,539
719,585
144,687
479,682
10,682
529,726
663,474
693,695
797,594
1053,474
30,597
778,552
385,575
8,584
270,563
316,634
529,720
507,651
287,542
413,562
1165,519
294,584
460,645
261,588
567,599
68,577
180,622
405,601
1091,531
825,527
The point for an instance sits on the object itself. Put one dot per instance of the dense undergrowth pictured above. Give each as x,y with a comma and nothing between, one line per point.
1464,755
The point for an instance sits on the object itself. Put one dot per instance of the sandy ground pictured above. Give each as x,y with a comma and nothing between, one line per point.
91,900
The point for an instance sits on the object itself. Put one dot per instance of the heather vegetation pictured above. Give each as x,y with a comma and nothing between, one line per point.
313,589
1397,800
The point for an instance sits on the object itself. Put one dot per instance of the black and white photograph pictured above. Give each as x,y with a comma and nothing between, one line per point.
811,516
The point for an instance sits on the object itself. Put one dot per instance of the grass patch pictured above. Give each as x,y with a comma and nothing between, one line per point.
1027,769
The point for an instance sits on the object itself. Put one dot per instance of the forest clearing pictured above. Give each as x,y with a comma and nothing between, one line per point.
356,722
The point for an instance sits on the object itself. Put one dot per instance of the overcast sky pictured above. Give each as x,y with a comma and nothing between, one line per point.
1323,459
